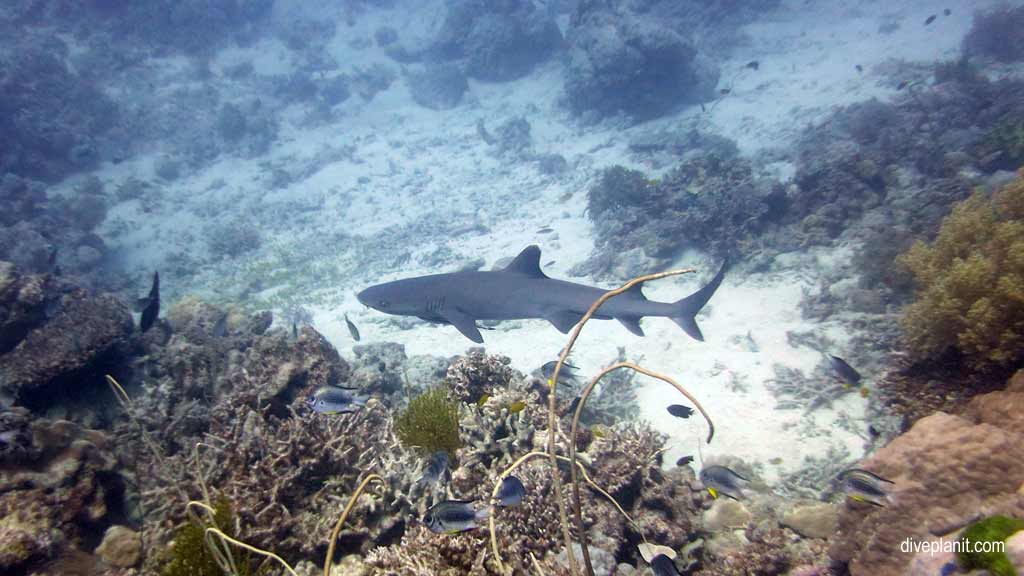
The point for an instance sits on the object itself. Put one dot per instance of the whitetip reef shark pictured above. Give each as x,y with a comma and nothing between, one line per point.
521,291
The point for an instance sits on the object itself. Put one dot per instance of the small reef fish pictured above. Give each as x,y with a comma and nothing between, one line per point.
750,344
598,432
865,486
753,65
720,480
684,461
437,468
152,310
516,407
903,84
335,400
550,263
352,329
572,406
453,516
946,12
511,492
545,230
568,370
220,329
680,411
725,91
859,67
844,370
662,565
483,400
929,20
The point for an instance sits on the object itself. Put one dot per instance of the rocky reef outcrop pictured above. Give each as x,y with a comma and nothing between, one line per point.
949,470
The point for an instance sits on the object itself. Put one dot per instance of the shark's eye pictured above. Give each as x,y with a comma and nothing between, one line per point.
382,303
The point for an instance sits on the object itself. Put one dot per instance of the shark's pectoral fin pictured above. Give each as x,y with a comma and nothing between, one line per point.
632,323
564,320
465,324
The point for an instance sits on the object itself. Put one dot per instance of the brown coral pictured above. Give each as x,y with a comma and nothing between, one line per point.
477,373
971,283
947,470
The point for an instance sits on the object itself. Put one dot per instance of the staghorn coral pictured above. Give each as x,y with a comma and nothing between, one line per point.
285,477
970,283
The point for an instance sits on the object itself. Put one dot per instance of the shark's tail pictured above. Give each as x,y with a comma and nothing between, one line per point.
688,307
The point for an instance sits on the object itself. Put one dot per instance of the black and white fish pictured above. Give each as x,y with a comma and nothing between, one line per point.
680,411
865,486
723,481
151,311
567,373
511,492
844,370
453,516
437,468
335,400
662,565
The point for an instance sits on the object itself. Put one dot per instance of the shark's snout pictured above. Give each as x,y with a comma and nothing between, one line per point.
361,296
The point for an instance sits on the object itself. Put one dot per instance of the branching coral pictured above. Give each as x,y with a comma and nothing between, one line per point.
476,374
970,283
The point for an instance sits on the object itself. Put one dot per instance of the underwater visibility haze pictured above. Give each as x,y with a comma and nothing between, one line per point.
296,288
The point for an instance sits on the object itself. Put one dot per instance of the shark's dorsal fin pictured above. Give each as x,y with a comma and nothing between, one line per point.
634,293
527,263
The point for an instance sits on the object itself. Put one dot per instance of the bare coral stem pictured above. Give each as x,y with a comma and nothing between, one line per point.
341,519
575,426
586,478
556,480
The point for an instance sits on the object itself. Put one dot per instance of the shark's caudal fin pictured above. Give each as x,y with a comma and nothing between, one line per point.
688,307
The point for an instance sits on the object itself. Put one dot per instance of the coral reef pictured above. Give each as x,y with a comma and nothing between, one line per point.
637,65
55,335
50,233
477,374
52,117
437,86
997,33
708,202
496,41
969,282
947,469
54,491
